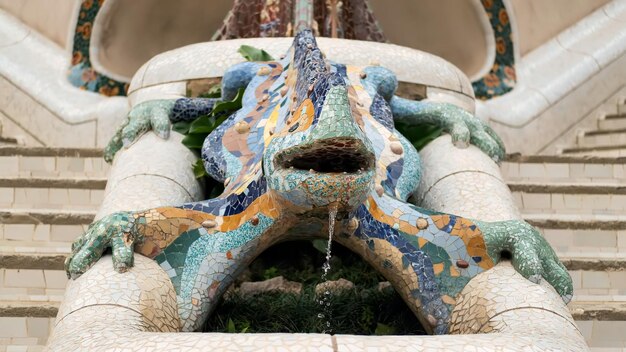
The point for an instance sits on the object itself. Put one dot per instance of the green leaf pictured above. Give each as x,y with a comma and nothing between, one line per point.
194,141
270,273
229,106
320,245
203,124
198,169
382,329
231,326
419,135
251,53
214,92
181,127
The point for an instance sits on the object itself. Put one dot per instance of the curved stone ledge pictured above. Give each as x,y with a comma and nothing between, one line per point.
465,182
444,81
153,172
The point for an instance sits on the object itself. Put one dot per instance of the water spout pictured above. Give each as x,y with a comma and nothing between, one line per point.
325,299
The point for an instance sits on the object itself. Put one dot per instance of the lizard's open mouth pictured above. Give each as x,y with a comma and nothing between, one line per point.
334,155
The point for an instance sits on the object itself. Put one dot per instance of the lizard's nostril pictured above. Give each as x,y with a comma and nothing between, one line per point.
328,156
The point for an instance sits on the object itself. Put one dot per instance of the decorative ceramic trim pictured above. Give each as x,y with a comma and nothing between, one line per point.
501,77
86,74
82,74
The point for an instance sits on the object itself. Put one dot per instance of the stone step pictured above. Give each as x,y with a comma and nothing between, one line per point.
563,168
26,324
603,151
51,193
597,277
573,234
16,161
611,122
601,320
601,137
42,227
570,198
7,141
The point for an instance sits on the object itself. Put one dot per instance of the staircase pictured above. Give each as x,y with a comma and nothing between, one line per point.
607,140
48,196
578,200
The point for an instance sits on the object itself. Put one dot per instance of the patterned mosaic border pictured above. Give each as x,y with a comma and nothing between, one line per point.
501,78
81,73
498,81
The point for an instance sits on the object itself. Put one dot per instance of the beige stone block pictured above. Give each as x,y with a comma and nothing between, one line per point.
595,238
595,280
24,278
621,239
9,166
65,233
576,280
577,170
55,279
510,170
619,172
13,327
36,291
586,328
558,202
599,170
557,170
97,196
55,294
59,196
70,166
1,231
35,197
527,170
17,348
597,201
47,164
19,232
39,328
608,334
42,232
536,201
24,341
618,279
561,239
618,201
7,196
572,201
79,196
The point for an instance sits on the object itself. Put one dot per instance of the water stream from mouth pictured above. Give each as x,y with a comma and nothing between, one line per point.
325,299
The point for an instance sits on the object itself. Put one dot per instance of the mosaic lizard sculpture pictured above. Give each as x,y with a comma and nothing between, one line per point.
314,135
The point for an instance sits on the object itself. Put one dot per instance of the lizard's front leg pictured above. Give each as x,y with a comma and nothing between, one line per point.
201,252
429,257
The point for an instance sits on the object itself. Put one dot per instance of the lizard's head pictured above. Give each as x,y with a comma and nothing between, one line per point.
317,133
319,154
